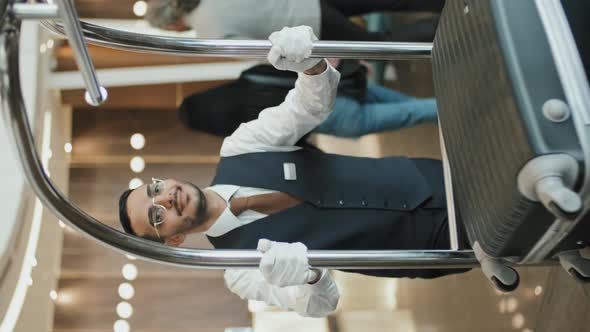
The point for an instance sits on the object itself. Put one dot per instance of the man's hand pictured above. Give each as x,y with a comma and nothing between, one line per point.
285,264
291,48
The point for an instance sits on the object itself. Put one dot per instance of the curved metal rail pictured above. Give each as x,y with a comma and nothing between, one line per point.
137,42
94,95
14,111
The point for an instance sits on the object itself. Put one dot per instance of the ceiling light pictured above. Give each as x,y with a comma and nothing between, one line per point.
64,297
137,141
126,291
124,309
68,147
135,183
121,326
53,295
140,8
538,290
129,271
137,164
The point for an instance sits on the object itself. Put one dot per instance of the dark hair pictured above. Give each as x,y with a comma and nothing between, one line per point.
123,215
126,222
202,206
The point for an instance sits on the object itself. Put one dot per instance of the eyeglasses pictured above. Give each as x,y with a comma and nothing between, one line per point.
156,211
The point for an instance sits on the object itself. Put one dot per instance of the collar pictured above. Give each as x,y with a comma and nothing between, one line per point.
226,221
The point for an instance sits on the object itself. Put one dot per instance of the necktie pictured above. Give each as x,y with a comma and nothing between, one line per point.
264,203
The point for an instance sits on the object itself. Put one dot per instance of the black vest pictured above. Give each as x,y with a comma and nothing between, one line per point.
350,203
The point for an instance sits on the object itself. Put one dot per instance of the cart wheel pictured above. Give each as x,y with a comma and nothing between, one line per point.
507,287
504,278
576,265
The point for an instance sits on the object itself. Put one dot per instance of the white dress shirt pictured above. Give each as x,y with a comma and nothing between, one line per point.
251,19
277,129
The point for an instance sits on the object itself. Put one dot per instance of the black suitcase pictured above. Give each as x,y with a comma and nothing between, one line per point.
511,81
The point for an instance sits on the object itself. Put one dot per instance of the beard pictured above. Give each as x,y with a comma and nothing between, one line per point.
198,218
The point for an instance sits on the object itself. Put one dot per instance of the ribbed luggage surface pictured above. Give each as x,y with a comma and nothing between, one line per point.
487,135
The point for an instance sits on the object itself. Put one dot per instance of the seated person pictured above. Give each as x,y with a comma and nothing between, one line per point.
359,109
265,187
256,19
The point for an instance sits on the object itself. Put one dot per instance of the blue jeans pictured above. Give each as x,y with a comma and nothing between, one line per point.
382,109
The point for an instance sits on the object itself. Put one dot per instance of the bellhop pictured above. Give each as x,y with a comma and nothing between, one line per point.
267,188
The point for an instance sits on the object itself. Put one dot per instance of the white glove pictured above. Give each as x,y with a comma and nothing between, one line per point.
285,264
291,48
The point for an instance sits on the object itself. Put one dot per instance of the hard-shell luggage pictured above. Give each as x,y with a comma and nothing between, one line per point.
511,81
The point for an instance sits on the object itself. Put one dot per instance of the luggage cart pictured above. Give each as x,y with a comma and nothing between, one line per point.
78,32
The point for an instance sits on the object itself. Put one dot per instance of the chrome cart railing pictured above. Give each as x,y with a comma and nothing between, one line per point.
77,33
